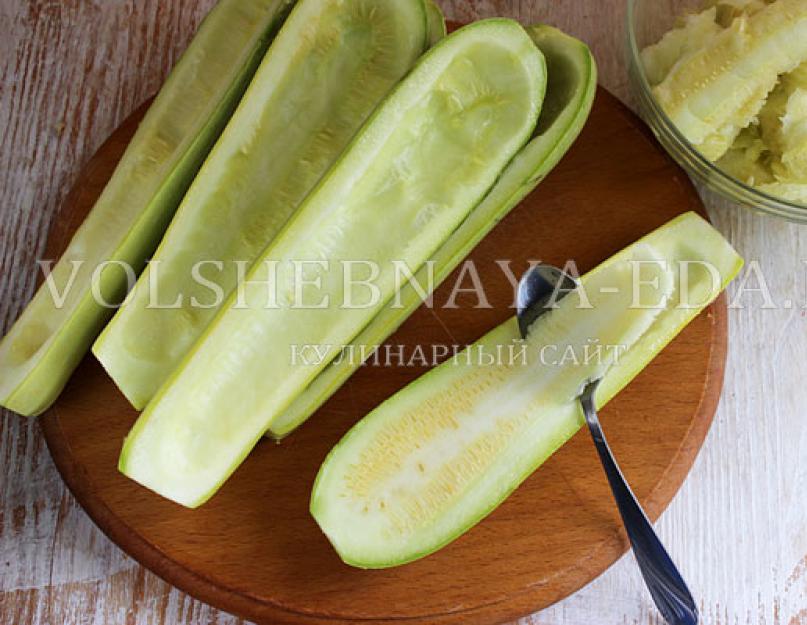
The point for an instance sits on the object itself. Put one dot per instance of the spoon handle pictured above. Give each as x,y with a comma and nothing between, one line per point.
667,587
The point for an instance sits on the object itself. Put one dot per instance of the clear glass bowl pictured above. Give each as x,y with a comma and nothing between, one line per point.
648,20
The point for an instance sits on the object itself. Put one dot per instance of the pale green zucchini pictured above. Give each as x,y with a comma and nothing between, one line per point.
327,70
719,89
771,154
436,25
748,159
51,337
794,137
572,83
426,157
791,191
436,458
693,32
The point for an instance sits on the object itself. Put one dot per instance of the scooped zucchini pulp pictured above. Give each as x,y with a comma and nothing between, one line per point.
427,156
327,70
572,83
440,455
51,336
732,80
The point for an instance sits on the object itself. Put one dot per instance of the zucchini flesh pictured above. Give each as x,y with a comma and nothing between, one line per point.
50,338
791,191
572,83
794,136
748,157
436,458
771,154
693,32
718,90
729,10
326,71
423,161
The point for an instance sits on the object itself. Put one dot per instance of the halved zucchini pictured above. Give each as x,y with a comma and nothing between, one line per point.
436,25
572,83
427,156
715,92
436,458
51,337
327,70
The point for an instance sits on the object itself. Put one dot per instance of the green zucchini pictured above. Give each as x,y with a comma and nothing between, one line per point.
693,31
714,92
51,337
327,70
572,83
436,24
436,458
425,158
791,191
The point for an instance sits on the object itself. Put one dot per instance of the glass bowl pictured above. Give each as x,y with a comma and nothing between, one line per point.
648,20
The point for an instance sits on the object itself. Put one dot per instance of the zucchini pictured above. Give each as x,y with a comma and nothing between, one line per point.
440,455
771,154
50,338
729,10
794,137
791,191
425,158
328,68
780,118
748,158
693,32
572,83
715,92
436,24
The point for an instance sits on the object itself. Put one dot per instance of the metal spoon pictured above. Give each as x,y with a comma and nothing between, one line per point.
540,288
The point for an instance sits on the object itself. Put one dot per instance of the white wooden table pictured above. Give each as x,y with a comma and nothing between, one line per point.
71,72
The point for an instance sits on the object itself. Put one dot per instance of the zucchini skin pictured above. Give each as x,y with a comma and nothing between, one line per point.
555,419
239,375
47,342
436,29
565,111
329,67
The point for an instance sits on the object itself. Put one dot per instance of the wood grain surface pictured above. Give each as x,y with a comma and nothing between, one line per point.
254,548
72,70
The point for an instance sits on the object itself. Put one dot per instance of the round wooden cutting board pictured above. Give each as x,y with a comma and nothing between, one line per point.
255,550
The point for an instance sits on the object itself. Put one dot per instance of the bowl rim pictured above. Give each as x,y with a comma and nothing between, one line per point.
685,153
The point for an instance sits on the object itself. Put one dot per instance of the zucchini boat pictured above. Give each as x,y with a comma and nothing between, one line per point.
437,457
715,92
572,83
436,23
327,70
425,158
52,336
